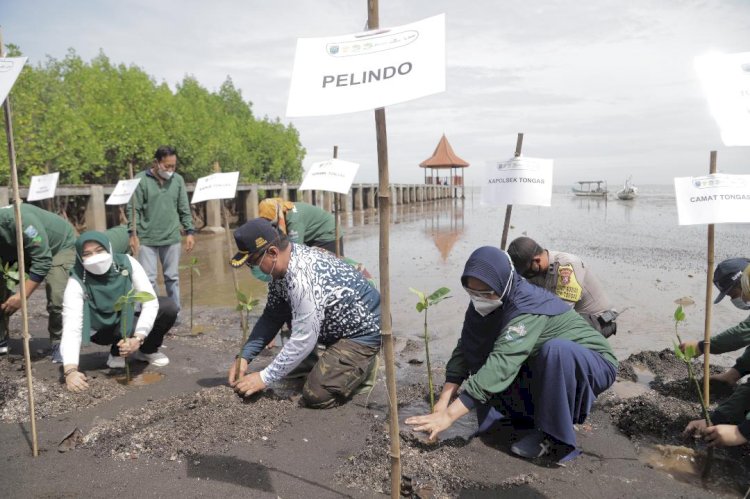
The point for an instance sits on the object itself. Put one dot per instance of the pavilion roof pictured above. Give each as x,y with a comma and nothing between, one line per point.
443,157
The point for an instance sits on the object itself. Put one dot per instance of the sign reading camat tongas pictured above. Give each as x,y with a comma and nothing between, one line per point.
351,79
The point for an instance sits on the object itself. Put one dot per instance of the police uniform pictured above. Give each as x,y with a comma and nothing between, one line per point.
569,279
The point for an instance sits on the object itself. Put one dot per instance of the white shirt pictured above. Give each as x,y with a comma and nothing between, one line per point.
70,345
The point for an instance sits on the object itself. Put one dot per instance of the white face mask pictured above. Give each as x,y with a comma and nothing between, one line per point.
740,303
165,174
98,264
485,306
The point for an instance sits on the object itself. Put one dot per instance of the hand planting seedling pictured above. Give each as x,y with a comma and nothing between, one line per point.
123,305
423,304
10,276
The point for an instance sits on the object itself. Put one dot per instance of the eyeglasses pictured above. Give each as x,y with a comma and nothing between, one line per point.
479,293
254,262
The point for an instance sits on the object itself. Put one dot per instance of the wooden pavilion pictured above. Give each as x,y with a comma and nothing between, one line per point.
444,158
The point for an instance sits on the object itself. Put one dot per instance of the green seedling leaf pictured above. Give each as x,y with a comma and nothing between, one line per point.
690,352
196,271
418,293
679,314
194,261
420,306
241,297
438,295
143,297
678,353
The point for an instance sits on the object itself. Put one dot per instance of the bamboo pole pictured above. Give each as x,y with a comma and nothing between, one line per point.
21,263
384,207
509,208
709,300
336,207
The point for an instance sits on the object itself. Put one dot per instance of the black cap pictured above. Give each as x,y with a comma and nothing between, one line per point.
253,237
727,275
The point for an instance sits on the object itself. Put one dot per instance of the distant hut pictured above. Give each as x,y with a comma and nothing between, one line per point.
444,158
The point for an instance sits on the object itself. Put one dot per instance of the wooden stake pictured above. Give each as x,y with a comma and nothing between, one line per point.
336,207
509,208
384,209
132,214
21,263
709,299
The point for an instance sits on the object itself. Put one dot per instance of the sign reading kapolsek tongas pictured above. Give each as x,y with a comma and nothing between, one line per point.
713,199
43,186
10,68
726,81
332,175
519,180
368,70
216,186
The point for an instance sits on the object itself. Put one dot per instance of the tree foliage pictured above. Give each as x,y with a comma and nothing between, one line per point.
88,120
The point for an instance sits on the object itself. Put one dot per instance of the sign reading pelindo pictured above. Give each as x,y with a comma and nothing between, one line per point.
216,186
726,81
43,186
123,191
713,199
332,175
368,70
10,68
519,180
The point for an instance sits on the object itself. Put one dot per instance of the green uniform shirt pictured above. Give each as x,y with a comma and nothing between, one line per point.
44,235
521,339
306,224
735,410
161,209
731,339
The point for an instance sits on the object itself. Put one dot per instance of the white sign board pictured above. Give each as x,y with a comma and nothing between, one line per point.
713,199
362,71
43,186
518,181
726,81
10,68
216,186
123,191
332,175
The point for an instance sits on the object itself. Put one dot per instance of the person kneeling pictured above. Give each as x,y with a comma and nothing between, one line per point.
524,355
97,280
328,302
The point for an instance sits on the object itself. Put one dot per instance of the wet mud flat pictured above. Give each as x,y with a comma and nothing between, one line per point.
655,418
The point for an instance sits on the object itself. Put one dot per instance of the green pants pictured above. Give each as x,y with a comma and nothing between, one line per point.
337,374
55,282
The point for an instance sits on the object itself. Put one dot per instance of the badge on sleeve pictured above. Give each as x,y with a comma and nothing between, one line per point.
568,287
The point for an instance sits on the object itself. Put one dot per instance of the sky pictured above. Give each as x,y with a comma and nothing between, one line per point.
606,88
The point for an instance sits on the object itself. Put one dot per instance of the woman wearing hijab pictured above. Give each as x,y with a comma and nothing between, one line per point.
524,354
97,280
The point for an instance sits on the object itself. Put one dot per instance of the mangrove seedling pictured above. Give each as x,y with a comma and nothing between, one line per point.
424,303
124,305
687,357
245,304
194,270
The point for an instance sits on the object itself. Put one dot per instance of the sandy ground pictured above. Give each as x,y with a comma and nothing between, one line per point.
188,435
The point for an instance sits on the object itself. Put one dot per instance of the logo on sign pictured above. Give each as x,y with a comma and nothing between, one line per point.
385,41
333,49
711,182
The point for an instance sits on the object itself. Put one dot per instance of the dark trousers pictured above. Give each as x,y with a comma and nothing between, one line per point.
554,390
165,319
339,371
330,245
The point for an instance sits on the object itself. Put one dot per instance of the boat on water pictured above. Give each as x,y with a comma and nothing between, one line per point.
628,191
586,188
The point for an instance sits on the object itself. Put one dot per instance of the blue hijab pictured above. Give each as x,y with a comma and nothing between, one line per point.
493,267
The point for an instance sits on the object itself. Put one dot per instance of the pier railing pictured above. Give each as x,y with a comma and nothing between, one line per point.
98,216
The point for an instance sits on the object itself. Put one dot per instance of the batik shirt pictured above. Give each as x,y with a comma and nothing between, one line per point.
326,299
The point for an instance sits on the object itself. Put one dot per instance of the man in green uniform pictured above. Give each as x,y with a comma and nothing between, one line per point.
49,254
302,223
162,209
727,279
